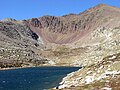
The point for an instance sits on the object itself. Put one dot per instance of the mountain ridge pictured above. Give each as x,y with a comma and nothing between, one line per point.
74,25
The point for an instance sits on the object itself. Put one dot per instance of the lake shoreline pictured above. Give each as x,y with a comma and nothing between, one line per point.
13,68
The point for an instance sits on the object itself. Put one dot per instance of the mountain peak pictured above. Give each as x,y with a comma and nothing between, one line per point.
101,5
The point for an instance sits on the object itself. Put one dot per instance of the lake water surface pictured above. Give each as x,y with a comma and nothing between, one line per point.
38,78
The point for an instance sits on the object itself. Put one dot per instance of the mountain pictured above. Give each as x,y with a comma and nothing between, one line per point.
72,27
73,39
79,39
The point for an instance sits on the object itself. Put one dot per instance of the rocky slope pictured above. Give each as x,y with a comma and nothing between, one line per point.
104,75
100,62
19,45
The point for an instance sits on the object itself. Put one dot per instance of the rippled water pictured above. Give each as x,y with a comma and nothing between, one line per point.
33,78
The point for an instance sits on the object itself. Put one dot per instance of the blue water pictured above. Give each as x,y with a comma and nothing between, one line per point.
38,78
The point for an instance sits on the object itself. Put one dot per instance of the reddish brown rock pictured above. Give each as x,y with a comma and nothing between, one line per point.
72,27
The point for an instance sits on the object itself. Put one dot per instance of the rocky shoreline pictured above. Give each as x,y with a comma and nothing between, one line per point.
12,68
99,76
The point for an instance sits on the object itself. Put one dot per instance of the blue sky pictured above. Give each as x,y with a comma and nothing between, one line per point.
25,9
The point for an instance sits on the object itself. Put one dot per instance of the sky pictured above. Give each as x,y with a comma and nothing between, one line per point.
26,9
